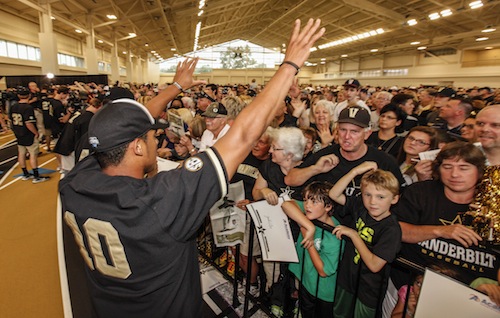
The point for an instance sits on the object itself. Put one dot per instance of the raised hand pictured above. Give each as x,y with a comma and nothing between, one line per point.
301,41
184,73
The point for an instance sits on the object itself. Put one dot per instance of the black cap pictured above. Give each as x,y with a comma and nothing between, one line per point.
202,94
120,92
446,92
22,91
355,115
352,83
215,110
119,123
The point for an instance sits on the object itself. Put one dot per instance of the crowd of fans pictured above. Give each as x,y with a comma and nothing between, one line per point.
368,143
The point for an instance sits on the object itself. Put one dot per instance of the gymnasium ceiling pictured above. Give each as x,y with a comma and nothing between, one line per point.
168,26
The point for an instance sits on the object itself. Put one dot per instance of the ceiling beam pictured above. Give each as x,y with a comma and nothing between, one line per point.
374,9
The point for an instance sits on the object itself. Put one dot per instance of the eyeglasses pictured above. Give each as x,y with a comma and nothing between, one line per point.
419,142
273,148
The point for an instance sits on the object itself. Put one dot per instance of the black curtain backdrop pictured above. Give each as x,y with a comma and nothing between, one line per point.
14,81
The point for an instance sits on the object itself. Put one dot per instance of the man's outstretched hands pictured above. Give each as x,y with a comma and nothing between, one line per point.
301,41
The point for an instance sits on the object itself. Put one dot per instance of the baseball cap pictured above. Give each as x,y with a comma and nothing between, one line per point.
215,110
22,91
120,92
352,83
446,92
355,115
118,123
202,94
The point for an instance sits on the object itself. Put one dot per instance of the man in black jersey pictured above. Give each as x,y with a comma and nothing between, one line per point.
23,121
136,234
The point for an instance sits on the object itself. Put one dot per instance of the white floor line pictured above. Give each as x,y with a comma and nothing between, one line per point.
8,144
8,160
19,178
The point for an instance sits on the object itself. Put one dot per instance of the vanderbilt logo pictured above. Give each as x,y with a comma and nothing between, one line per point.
353,111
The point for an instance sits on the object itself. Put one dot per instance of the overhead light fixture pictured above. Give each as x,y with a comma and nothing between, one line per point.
351,38
146,44
484,38
488,30
434,16
200,12
124,52
111,16
374,50
322,62
100,41
488,48
412,22
313,49
475,4
323,59
415,43
78,31
52,18
133,35
50,75
201,4
153,52
344,55
421,47
173,49
197,35
446,13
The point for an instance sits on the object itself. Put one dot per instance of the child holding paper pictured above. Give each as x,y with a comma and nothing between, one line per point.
318,251
375,238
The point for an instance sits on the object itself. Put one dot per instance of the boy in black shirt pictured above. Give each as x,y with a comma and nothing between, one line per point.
376,239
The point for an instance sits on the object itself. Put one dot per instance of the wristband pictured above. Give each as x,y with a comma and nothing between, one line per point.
292,64
178,86
192,150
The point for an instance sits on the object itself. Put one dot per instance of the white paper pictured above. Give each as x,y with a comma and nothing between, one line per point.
442,296
176,124
273,231
166,165
228,223
429,155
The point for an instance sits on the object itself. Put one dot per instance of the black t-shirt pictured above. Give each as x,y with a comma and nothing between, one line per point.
81,124
248,171
138,235
390,146
20,114
66,143
424,203
383,160
59,112
275,178
289,121
383,238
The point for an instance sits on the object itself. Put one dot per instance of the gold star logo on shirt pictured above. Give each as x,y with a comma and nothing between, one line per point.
456,220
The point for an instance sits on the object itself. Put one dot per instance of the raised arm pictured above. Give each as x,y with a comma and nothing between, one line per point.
254,119
293,211
183,77
298,176
337,191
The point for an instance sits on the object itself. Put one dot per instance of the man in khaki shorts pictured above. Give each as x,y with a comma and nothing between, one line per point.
24,126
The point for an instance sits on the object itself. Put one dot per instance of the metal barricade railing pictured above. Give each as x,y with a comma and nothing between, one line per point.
209,253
